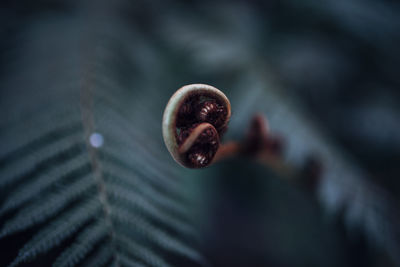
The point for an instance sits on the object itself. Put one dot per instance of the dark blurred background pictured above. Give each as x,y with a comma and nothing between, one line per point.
339,60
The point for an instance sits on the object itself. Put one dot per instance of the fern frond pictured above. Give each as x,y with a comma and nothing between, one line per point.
74,165
131,249
155,235
82,67
48,205
129,262
48,154
164,180
344,187
139,202
20,143
58,230
101,256
83,244
64,184
119,171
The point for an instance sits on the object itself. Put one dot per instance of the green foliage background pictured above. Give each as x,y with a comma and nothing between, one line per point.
73,68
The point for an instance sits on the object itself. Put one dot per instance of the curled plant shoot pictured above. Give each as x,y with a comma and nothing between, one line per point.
194,121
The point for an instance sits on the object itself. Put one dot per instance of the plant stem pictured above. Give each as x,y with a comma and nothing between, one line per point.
267,149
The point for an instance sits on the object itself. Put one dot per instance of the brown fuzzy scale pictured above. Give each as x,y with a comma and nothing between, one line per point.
202,108
184,133
210,111
197,109
185,115
204,149
198,160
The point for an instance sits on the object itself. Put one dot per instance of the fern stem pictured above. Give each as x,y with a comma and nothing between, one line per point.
86,106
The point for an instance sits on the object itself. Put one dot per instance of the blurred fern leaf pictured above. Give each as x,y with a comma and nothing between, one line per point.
85,178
